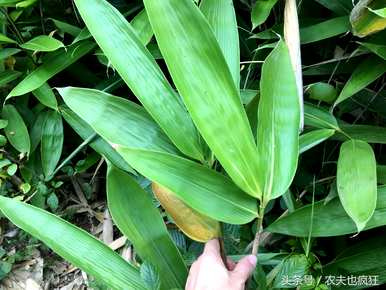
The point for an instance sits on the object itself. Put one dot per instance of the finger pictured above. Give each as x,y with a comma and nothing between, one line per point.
212,247
231,264
244,268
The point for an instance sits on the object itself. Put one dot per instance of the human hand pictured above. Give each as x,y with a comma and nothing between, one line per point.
210,273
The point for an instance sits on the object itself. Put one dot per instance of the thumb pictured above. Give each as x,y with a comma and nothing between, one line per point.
244,268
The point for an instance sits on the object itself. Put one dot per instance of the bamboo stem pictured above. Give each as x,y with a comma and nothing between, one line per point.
259,231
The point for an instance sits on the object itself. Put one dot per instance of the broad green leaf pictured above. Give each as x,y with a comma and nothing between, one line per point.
8,3
99,145
357,181
211,96
365,259
378,49
380,12
16,130
340,7
117,120
328,219
261,11
222,18
367,72
66,27
8,76
46,96
7,52
25,3
54,64
367,133
324,30
322,92
133,211
196,226
201,188
51,142
138,69
319,117
42,43
278,124
6,39
36,129
364,21
74,245
142,27
313,138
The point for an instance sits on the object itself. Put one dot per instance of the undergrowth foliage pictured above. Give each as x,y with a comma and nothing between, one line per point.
260,123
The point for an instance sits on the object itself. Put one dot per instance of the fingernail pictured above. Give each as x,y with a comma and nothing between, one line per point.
252,260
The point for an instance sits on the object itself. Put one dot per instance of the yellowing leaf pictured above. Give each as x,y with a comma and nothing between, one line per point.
196,226
364,21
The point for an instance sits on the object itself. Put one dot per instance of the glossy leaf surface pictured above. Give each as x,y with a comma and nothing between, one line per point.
117,120
201,188
278,124
222,18
136,66
191,49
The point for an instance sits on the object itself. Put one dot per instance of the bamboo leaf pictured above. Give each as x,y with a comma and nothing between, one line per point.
211,95
138,69
364,258
134,213
8,76
16,130
42,43
51,142
366,133
201,188
357,181
99,145
364,21
261,11
324,30
46,96
55,63
137,129
74,245
322,92
378,49
142,27
278,124
318,117
328,219
222,18
380,12
196,226
36,130
367,72
6,39
313,138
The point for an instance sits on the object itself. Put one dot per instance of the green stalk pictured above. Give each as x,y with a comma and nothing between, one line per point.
259,230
